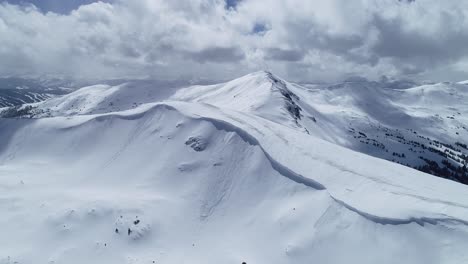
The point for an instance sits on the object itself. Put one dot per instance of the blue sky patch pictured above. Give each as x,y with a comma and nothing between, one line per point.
56,6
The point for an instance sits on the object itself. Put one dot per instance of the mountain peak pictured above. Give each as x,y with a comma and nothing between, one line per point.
113,174
268,75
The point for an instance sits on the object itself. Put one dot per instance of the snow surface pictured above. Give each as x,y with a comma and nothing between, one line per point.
407,126
229,173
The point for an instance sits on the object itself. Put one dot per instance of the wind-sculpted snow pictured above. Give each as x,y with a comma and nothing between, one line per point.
320,159
422,127
251,128
194,181
281,169
398,221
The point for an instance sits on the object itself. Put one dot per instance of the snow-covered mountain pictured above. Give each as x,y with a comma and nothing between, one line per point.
16,91
255,170
425,127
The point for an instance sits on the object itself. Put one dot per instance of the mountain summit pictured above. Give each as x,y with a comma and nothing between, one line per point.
255,170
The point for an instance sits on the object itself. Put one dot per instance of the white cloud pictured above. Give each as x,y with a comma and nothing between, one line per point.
298,39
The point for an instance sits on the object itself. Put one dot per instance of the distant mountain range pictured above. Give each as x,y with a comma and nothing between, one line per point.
16,91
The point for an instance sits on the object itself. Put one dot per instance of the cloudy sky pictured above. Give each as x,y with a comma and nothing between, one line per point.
301,40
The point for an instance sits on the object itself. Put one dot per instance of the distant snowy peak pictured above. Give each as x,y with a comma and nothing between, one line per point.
383,83
260,93
248,93
18,91
441,93
94,99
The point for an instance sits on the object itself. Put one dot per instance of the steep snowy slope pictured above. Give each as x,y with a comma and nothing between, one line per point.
423,127
231,173
265,95
191,183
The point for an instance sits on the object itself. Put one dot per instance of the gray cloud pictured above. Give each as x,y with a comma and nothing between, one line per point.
418,48
217,54
284,55
218,40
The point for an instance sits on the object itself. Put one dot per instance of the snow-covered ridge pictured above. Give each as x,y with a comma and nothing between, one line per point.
218,174
423,127
260,92
262,133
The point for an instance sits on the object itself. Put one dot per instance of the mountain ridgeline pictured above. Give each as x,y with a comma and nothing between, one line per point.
254,170
424,127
